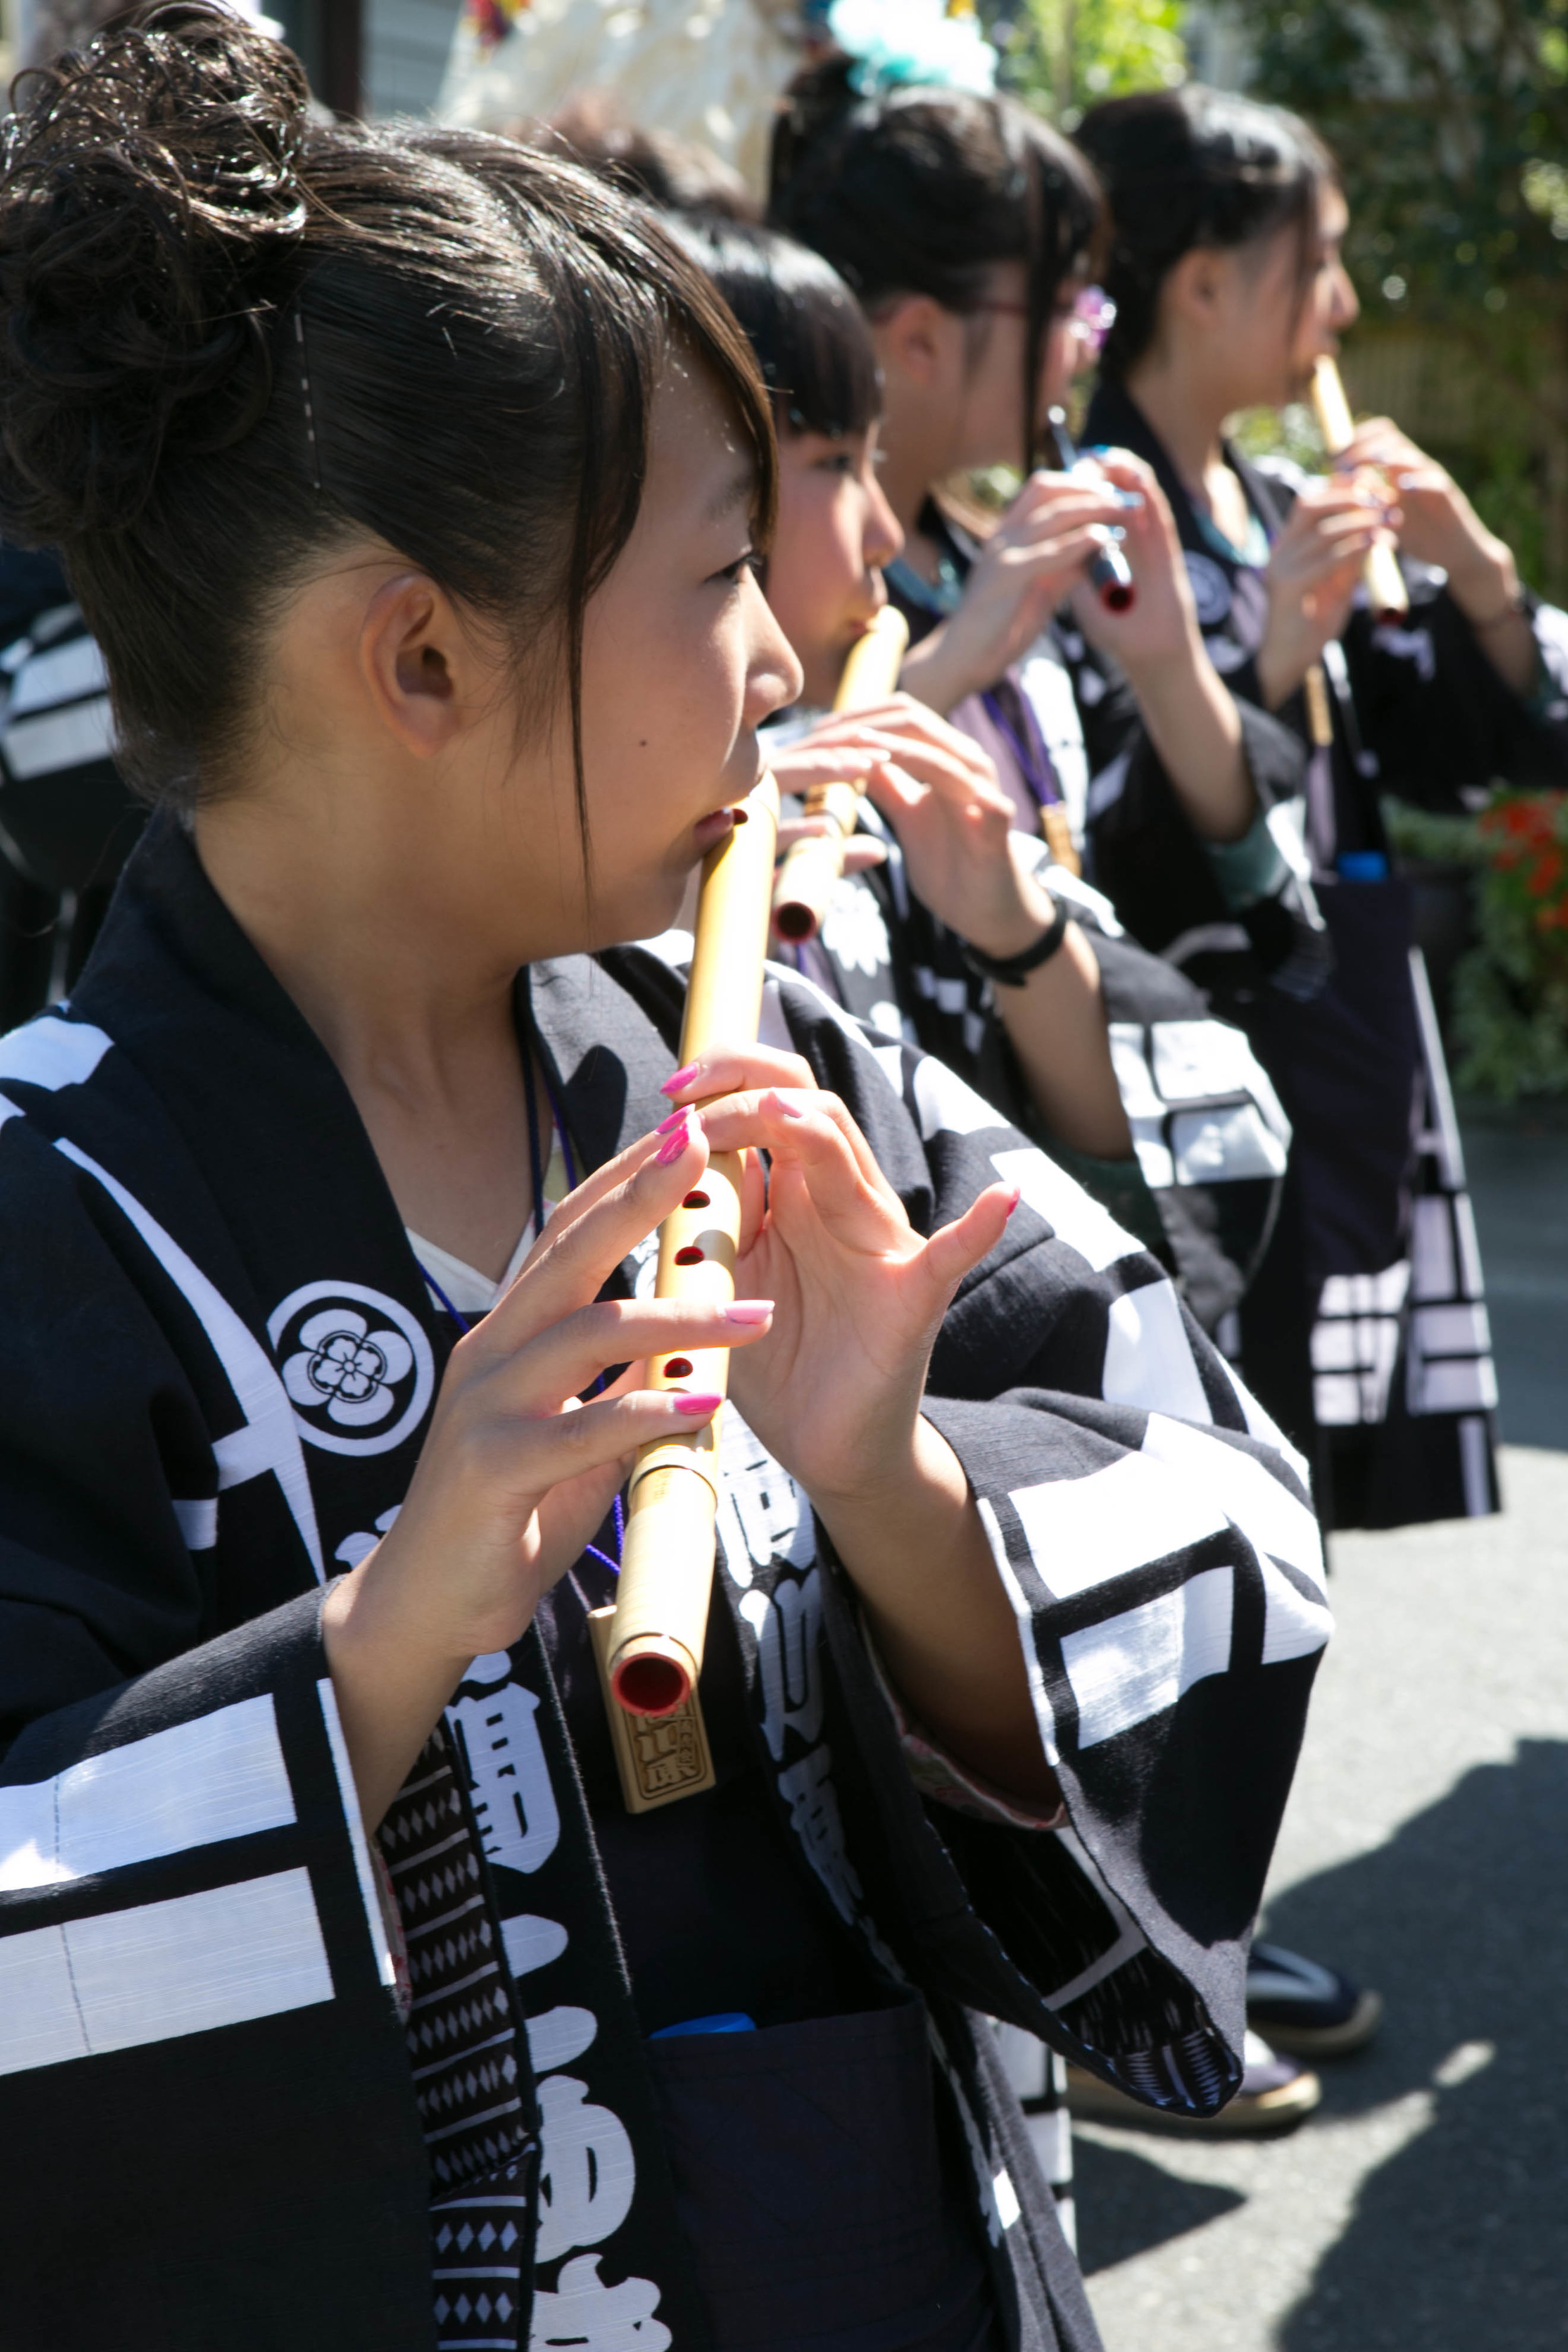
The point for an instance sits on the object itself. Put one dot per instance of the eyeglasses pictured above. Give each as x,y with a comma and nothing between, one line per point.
1092,313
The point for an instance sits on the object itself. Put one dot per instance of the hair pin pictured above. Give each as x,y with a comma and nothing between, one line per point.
309,404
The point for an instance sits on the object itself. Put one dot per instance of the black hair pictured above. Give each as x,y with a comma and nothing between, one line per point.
676,174
921,191
1189,167
804,325
236,341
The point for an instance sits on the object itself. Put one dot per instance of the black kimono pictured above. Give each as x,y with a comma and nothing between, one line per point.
217,1360
1210,1139
1366,1331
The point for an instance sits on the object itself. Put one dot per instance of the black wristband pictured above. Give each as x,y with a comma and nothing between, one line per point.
1013,971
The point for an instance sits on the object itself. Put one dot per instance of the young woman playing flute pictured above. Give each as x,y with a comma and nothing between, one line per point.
1365,1330
417,519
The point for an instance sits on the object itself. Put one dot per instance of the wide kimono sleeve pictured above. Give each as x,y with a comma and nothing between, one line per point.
200,2052
1144,852
1439,719
1154,1535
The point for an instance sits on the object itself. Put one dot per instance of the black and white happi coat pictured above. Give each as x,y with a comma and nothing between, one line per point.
217,1360
1367,1329
1210,1137
68,821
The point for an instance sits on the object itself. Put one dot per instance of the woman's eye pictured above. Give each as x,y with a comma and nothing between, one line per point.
751,561
840,461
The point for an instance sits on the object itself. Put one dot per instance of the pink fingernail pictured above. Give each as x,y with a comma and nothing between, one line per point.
749,1310
674,1145
695,1405
681,1078
667,1126
1013,1203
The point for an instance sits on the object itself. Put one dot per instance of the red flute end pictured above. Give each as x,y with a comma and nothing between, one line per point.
651,1683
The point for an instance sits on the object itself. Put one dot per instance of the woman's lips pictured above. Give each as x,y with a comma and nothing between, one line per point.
711,829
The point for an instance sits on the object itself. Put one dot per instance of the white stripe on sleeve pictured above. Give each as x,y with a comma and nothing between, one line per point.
1084,1531
1131,1667
161,1971
222,1776
1148,1357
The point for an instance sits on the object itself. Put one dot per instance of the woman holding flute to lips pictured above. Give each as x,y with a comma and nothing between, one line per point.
1225,265
343,1989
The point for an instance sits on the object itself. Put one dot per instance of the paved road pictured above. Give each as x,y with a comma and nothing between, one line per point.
1425,2209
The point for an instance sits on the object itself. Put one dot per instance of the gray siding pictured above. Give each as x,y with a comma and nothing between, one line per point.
405,49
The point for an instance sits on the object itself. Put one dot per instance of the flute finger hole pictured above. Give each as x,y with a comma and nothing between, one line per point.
677,1368
695,1201
690,1256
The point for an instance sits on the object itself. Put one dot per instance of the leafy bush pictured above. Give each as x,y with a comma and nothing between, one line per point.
1510,992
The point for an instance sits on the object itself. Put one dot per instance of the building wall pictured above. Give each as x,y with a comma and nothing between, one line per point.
405,53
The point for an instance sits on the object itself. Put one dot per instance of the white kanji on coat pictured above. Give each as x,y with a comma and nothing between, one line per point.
807,1789
509,1778
587,2171
584,2315
788,1627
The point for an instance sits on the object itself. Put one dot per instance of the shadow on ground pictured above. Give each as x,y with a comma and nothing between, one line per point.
1459,2242
1518,1161
1125,2204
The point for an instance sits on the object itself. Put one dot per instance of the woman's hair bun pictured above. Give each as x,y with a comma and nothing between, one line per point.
152,213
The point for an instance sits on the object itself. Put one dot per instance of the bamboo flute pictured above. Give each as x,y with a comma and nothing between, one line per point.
1386,589
812,868
655,1644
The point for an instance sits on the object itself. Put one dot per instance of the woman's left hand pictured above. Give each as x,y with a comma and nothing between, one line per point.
953,821
1161,626
834,1389
1438,523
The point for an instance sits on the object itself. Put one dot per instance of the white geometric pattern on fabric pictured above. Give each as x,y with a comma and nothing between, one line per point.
348,1797
1225,1147
59,739
1271,1518
1084,1532
53,1053
1147,1356
61,673
198,1521
1195,1061
1130,1938
1355,1345
1294,1627
222,1776
1129,1668
268,1440
944,1104
1053,1194
773,1028
161,1971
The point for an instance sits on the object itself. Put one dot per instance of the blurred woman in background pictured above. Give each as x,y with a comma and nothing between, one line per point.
1365,1329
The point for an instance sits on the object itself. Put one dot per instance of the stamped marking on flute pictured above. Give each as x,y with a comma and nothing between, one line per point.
658,1758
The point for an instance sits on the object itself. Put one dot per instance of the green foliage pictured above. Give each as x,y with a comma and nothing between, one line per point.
1450,120
1064,55
1510,992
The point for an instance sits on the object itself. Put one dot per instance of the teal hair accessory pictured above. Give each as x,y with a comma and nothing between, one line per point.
897,42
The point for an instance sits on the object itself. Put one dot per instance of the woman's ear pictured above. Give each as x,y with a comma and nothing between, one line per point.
912,337
1195,288
417,662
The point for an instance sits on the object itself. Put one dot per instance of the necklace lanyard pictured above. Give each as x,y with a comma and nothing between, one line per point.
1038,769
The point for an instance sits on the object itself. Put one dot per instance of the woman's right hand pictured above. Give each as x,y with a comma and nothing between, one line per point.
516,1471
1021,574
1312,573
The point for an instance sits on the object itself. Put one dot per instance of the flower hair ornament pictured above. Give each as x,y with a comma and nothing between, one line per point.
894,43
